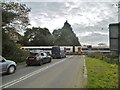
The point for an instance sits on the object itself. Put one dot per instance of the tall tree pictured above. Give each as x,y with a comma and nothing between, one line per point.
13,15
38,37
65,36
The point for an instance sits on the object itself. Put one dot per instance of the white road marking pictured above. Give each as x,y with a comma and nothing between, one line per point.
85,69
31,74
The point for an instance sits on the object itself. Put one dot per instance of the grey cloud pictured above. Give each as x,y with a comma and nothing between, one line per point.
51,8
55,10
102,26
95,39
80,29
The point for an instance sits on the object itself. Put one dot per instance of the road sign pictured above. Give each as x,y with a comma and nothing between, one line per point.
113,44
114,36
113,30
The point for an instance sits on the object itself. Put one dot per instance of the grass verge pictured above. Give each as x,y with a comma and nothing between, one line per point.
101,74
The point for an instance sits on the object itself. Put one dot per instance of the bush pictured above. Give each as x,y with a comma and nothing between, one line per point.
108,57
18,55
11,51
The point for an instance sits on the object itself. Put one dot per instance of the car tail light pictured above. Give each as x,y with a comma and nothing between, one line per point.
37,58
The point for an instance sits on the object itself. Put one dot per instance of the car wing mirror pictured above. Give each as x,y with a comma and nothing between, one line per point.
3,60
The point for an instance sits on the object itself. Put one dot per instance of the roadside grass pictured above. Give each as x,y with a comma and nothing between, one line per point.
101,74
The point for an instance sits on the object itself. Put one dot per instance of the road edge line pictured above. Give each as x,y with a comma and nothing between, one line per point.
85,73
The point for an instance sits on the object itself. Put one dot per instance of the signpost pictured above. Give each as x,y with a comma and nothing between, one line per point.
114,36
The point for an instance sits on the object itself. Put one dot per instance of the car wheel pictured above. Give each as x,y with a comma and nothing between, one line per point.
50,60
28,64
11,69
41,62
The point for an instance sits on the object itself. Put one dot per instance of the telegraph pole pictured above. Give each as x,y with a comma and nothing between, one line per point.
119,44
119,55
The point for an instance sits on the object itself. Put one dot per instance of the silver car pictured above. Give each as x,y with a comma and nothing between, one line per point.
7,66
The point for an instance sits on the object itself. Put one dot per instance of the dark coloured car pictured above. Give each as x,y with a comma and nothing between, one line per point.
7,66
58,52
38,58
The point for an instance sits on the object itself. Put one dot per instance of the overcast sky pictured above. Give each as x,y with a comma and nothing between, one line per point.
89,20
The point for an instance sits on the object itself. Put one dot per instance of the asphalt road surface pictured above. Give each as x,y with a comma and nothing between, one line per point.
60,73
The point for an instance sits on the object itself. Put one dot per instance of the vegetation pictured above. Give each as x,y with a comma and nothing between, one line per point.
107,57
42,37
101,74
65,36
37,37
12,13
15,19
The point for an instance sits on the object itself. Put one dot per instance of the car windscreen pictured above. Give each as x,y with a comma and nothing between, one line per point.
0,58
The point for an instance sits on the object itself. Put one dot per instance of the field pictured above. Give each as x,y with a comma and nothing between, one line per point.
101,74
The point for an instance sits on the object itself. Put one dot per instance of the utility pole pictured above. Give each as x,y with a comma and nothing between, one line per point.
119,44
119,55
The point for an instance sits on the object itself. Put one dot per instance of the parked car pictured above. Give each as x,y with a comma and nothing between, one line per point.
38,58
7,66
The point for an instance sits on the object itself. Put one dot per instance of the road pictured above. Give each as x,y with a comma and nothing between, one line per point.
60,73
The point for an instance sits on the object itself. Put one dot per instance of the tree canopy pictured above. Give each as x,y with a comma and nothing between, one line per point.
13,15
15,18
37,36
65,36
